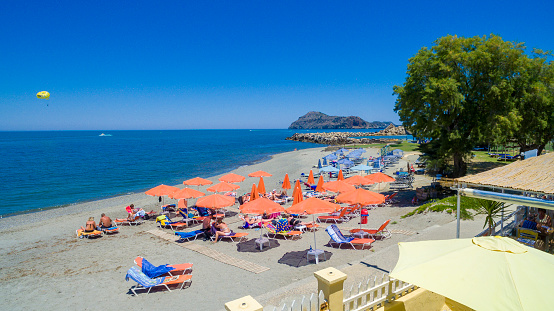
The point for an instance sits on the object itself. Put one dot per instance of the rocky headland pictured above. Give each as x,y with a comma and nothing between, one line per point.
344,138
319,120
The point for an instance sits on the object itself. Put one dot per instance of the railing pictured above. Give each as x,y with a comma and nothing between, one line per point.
501,222
372,293
311,304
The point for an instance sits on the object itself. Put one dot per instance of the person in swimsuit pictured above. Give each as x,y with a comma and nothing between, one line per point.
222,230
543,220
90,226
105,222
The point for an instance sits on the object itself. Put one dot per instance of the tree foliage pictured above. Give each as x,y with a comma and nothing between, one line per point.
464,91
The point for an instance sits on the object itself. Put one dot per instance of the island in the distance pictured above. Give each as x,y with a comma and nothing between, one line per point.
319,120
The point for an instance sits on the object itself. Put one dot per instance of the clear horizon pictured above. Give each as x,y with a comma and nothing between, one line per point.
227,65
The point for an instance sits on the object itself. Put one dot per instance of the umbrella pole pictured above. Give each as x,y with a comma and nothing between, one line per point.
315,245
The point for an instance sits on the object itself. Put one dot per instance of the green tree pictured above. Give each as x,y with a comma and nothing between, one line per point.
491,209
459,93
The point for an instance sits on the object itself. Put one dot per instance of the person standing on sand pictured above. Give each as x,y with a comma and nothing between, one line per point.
105,222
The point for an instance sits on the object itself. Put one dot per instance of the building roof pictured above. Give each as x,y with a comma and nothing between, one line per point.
534,174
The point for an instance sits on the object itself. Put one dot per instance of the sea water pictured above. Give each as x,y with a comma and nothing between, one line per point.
55,168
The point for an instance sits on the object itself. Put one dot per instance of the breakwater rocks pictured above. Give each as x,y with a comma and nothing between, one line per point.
342,138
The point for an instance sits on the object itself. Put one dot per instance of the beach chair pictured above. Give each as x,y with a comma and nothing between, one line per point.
338,239
285,234
188,236
178,269
389,198
135,222
110,230
247,225
382,232
164,222
89,235
335,218
528,237
234,237
144,282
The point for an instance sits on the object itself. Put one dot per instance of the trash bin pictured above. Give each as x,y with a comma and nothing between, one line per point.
364,213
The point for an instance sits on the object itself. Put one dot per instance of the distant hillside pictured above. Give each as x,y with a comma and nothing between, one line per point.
318,120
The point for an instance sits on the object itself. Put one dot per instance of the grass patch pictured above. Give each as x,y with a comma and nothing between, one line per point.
402,145
467,207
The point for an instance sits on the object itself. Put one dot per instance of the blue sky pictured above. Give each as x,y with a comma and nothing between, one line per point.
227,64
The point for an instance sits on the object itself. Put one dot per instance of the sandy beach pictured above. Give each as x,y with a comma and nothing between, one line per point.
44,266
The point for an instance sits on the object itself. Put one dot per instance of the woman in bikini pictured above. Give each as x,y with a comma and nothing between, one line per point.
90,226
222,230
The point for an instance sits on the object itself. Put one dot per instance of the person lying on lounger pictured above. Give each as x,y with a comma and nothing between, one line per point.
90,226
222,230
105,222
293,222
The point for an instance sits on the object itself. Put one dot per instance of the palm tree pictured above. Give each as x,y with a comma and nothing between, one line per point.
491,210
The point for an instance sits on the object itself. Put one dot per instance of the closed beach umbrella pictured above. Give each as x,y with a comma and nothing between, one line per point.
254,193
347,163
197,181
215,201
340,177
186,193
324,162
297,184
313,206
311,180
161,191
357,180
286,182
223,187
319,163
259,174
338,186
232,178
319,187
483,273
261,186
297,196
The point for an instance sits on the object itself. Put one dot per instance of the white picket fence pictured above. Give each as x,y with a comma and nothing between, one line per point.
373,292
306,304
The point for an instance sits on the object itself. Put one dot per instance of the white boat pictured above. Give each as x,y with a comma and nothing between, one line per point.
105,134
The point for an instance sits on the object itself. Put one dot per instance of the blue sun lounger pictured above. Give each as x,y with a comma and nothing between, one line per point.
192,235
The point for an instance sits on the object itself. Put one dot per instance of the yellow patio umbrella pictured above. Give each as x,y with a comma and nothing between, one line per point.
483,273
311,179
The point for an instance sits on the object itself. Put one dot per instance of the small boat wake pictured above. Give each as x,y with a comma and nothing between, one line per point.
105,134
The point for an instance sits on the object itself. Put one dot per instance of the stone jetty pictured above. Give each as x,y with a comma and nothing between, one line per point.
343,138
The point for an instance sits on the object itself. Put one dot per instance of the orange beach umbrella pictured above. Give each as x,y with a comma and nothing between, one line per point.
311,180
197,181
261,186
340,177
232,178
286,182
254,193
223,187
361,197
259,174
379,177
358,180
338,186
215,201
186,193
319,187
297,196
161,190
260,206
297,184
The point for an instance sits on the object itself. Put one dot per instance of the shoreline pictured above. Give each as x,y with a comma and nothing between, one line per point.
138,191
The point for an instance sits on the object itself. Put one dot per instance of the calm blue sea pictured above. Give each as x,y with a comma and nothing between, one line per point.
55,168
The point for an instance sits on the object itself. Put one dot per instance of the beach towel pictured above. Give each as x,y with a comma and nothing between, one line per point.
282,225
186,235
140,213
527,224
139,277
152,271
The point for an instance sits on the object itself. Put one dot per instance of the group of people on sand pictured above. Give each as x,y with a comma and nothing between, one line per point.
213,226
104,223
273,195
286,219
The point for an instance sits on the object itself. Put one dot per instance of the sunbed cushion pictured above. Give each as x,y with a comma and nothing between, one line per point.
152,271
336,235
186,235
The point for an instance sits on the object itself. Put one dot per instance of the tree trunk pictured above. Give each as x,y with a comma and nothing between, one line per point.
460,166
